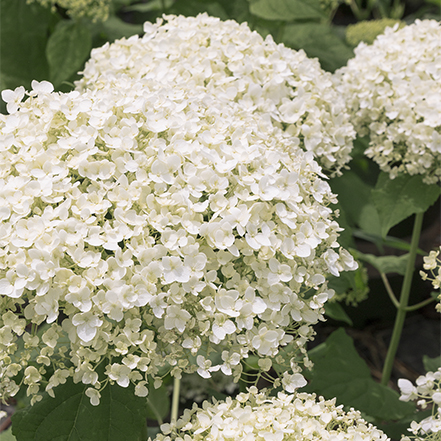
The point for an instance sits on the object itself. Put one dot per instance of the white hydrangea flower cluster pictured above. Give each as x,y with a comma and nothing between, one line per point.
150,226
426,392
393,92
259,417
234,64
433,265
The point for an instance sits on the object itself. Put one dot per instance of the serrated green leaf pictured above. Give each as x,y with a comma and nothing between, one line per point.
287,10
70,416
340,372
386,264
318,40
67,49
431,364
336,312
23,38
397,199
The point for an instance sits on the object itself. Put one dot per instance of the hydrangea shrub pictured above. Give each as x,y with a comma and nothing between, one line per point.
236,65
150,226
392,89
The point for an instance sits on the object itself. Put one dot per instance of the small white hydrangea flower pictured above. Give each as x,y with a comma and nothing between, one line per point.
257,416
432,264
392,89
427,391
236,65
150,226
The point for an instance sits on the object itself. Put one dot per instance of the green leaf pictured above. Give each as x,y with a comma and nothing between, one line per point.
340,372
67,50
154,5
335,311
158,403
115,28
23,38
7,436
431,364
194,7
70,416
386,264
353,194
287,10
397,199
318,40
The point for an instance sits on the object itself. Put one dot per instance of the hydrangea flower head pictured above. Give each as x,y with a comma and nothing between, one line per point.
235,64
257,416
155,226
393,93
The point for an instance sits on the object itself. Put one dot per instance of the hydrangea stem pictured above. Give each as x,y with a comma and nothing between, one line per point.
175,400
404,299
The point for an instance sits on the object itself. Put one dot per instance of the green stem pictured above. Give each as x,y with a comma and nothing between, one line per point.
175,400
389,290
420,305
404,299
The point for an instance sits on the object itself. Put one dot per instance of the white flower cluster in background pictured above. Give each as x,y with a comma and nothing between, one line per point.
257,416
234,64
426,393
151,226
393,92
433,265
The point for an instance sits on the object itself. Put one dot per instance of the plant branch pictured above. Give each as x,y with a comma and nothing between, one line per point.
404,299
420,305
389,290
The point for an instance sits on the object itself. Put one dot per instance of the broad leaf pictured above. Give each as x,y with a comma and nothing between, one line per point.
353,194
23,38
158,403
67,50
318,40
336,312
70,416
340,372
386,264
7,436
431,364
397,199
115,28
287,10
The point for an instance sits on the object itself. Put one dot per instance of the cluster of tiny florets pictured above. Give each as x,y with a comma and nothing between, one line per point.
432,264
152,226
257,416
96,10
368,30
236,65
426,393
393,92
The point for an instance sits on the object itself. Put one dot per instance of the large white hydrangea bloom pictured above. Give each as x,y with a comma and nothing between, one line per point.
427,392
152,226
235,64
256,416
393,91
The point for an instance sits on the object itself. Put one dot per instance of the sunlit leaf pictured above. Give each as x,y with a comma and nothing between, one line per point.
397,199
